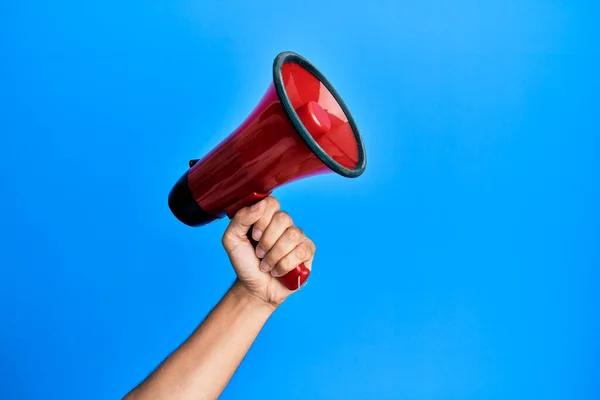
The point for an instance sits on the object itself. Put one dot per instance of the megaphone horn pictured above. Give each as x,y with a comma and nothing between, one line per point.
300,128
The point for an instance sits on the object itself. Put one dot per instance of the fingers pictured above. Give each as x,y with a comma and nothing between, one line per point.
272,206
240,224
291,249
281,245
302,253
278,224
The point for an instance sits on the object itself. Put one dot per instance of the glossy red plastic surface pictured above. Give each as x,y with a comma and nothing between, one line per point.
295,278
263,153
303,87
314,118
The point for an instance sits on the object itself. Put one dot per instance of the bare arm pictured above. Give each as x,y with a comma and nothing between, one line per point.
203,365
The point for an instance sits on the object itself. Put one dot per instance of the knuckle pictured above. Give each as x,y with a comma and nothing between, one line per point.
282,217
272,202
227,241
304,251
261,223
294,233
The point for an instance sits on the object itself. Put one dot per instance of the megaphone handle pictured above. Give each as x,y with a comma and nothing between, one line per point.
296,278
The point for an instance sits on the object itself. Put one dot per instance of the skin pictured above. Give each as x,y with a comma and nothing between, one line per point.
203,365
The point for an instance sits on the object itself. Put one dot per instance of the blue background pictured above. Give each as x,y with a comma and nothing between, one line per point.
463,264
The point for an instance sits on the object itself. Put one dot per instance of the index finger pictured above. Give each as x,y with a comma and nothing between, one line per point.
242,220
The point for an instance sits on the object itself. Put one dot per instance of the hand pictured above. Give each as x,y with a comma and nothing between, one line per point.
281,248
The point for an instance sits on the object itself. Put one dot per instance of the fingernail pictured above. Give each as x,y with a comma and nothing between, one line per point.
274,273
264,266
260,253
257,234
255,206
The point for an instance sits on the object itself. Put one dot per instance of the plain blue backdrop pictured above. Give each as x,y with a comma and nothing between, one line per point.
463,264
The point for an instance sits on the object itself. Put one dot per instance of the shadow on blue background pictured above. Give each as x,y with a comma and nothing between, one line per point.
462,265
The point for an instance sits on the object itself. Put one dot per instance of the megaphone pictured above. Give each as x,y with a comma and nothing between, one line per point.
300,128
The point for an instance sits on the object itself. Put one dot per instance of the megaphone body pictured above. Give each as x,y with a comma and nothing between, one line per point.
300,128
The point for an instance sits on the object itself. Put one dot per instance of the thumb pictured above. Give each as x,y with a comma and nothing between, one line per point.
241,223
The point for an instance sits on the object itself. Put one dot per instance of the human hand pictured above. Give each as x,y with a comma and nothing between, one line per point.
281,248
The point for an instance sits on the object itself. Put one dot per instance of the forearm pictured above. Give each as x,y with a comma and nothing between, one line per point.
203,365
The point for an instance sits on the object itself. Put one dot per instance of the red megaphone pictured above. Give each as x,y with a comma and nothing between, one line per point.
300,128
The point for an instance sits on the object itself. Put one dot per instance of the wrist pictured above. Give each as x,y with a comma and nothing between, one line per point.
251,299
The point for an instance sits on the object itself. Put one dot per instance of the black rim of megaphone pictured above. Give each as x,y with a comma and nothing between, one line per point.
289,56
